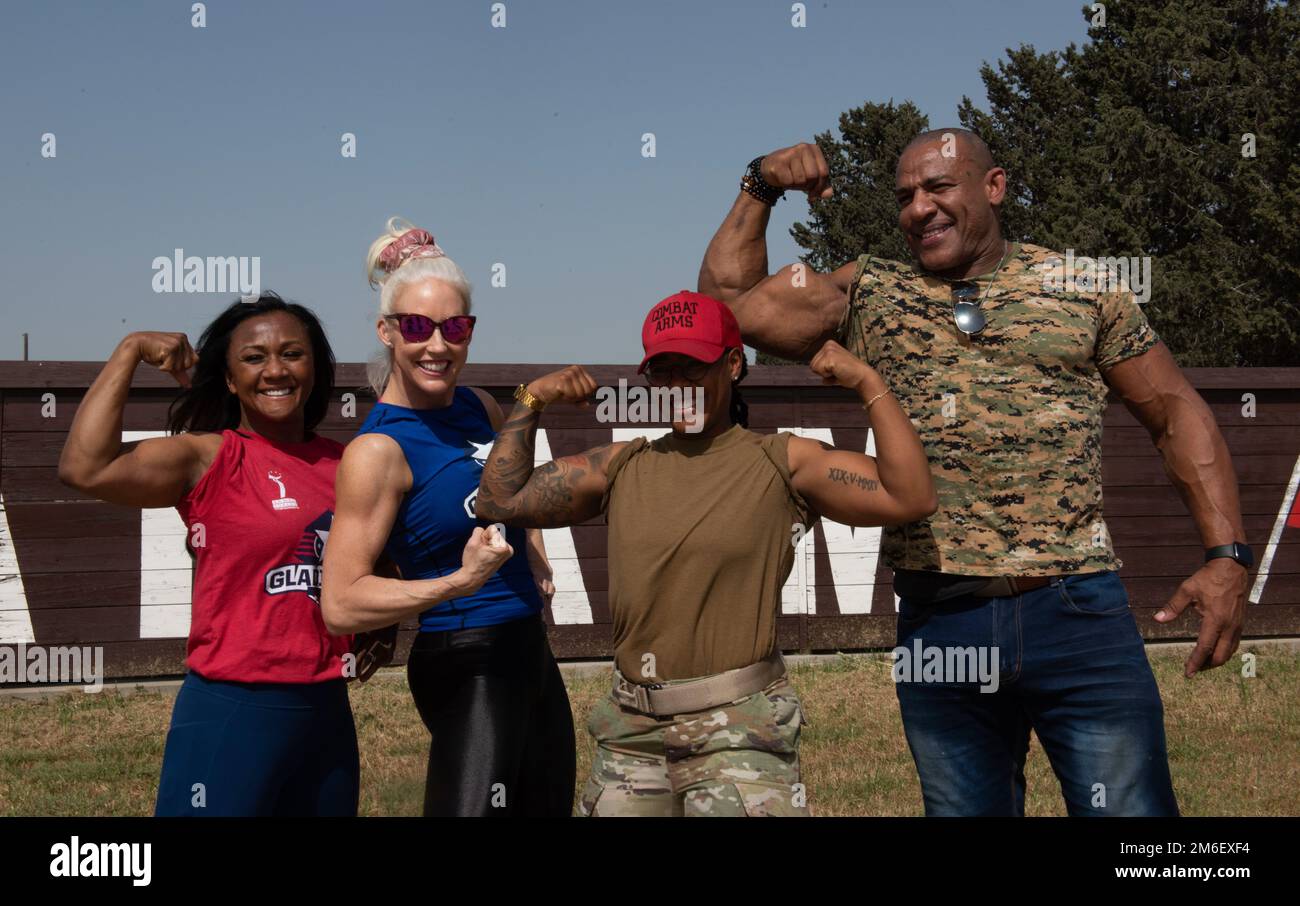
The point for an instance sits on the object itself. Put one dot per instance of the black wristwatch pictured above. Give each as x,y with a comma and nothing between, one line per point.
1236,550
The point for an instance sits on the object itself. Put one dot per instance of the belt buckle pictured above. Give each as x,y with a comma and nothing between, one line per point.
633,694
999,587
1014,586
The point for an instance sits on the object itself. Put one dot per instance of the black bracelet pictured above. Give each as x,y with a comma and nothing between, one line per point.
753,184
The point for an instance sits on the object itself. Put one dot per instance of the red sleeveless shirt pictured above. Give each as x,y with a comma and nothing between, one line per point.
256,524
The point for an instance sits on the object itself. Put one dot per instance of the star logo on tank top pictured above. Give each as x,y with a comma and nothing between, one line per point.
479,452
282,502
305,574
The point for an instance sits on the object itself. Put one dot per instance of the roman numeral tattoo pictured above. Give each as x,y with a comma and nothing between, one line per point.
844,476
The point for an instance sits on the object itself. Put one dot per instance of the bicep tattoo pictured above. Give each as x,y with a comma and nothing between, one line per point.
852,479
552,493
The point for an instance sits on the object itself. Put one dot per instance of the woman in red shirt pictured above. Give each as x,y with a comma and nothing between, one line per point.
262,723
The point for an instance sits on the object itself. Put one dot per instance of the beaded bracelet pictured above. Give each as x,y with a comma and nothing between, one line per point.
753,184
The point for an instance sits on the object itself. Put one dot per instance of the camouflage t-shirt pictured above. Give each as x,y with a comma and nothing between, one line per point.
1010,418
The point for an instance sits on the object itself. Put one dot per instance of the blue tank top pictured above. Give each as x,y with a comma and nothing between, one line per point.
446,450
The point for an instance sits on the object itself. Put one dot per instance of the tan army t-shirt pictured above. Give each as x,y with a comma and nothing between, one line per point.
699,546
1010,418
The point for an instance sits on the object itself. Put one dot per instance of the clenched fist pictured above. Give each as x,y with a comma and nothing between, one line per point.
802,167
837,366
169,352
572,385
485,553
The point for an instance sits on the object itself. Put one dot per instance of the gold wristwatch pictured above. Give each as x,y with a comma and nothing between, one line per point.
532,402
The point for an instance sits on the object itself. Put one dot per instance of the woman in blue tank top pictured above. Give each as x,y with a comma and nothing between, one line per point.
481,669
445,450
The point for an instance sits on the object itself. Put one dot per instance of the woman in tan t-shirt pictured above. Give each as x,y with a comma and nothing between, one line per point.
703,524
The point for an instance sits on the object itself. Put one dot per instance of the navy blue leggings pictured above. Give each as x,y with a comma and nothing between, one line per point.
260,749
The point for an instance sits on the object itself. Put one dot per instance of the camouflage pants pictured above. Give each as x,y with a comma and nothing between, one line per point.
734,760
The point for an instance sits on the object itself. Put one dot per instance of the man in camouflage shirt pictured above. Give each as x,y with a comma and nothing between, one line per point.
1003,361
1011,421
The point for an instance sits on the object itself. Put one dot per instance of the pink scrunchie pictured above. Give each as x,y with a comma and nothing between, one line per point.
414,243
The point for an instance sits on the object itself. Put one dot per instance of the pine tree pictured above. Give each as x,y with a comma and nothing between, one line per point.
1137,144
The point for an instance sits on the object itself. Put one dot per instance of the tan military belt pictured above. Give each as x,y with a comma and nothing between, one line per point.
659,700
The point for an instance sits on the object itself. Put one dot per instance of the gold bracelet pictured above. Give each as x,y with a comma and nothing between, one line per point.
872,401
532,402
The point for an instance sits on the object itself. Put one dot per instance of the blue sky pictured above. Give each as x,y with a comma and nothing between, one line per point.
518,145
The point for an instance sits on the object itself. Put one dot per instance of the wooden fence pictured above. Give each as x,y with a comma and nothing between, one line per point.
75,571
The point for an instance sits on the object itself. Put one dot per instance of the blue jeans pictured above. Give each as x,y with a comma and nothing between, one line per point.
1070,664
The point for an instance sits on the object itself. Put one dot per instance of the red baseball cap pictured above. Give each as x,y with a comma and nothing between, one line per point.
689,323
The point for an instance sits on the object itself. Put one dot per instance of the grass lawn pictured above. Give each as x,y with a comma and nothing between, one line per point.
1234,744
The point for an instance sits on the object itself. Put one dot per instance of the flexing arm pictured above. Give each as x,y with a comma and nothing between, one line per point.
369,484
1197,462
794,311
893,486
565,491
540,564
148,473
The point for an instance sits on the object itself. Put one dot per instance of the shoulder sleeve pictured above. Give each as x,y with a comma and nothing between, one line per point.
615,466
842,330
777,449
1122,331
849,332
194,504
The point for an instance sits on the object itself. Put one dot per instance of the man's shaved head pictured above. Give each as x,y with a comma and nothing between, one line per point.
964,142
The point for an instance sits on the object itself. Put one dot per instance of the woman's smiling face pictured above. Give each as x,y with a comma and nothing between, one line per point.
430,367
269,366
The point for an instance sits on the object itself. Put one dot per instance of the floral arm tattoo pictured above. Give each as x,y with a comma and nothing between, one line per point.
553,494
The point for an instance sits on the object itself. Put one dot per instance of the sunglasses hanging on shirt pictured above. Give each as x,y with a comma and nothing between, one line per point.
966,299
966,308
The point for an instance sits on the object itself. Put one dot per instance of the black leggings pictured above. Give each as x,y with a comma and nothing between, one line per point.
494,701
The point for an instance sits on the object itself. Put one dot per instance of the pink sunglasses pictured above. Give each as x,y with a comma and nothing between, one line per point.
418,328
